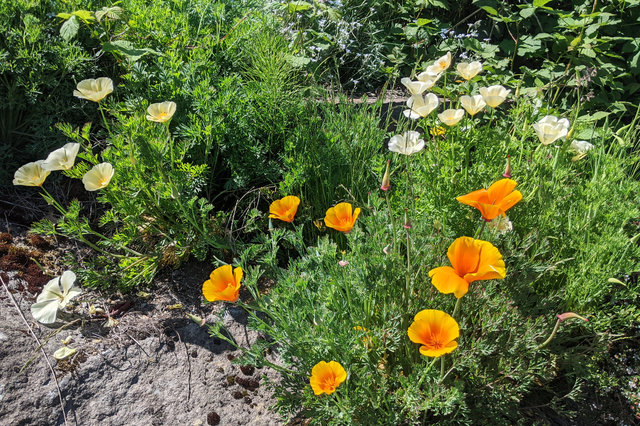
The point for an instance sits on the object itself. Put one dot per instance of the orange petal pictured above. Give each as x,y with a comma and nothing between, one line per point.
464,254
491,266
447,281
509,201
434,353
488,211
500,189
474,197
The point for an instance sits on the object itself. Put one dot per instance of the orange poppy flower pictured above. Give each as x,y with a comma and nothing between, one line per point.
494,201
223,284
326,377
285,208
436,331
471,260
342,217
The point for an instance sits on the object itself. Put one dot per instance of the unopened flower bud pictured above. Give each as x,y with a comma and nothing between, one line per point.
507,170
386,179
407,222
567,315
196,319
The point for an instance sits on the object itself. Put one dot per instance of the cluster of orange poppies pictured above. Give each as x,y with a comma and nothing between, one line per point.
471,260
436,331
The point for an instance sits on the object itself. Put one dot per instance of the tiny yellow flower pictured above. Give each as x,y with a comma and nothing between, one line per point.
161,112
94,89
31,174
98,177
437,131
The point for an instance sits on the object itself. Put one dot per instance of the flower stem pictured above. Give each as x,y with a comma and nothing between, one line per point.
553,334
457,308
481,229
393,221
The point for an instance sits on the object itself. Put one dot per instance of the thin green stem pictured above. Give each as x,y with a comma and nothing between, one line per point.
393,221
553,334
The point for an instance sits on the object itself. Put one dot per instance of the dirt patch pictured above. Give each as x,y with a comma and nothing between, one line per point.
153,367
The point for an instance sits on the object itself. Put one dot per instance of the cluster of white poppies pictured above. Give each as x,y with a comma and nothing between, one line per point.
95,90
420,106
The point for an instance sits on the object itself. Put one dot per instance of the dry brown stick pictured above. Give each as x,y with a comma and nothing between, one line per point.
46,358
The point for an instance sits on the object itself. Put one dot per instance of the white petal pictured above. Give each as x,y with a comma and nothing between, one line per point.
45,312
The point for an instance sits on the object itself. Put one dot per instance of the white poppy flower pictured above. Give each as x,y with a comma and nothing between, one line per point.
494,95
472,104
55,295
441,64
415,87
550,128
451,117
31,174
407,143
62,158
469,70
421,107
428,78
98,177
94,89
161,112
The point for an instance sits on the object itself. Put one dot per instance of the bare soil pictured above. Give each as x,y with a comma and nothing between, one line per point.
154,367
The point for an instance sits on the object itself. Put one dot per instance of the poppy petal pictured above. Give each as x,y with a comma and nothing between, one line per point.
447,281
500,189
510,201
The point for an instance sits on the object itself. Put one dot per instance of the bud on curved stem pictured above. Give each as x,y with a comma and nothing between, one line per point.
561,317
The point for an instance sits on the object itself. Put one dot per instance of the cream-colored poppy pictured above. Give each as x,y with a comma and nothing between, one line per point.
550,128
62,158
441,64
407,143
494,95
580,148
98,177
472,104
94,89
428,78
469,70
416,87
161,112
55,295
31,174
451,117
420,107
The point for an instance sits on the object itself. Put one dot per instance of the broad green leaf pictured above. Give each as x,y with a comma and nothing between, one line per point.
69,29
490,10
63,15
127,49
423,21
298,6
85,15
528,12
297,61
540,3
114,12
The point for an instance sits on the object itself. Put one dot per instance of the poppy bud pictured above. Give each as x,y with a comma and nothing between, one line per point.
507,170
567,315
407,222
386,179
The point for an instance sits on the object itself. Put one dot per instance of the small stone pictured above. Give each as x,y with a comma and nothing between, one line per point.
213,418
